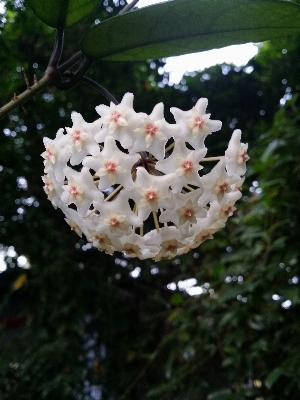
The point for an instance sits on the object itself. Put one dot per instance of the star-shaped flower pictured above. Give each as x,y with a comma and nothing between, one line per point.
168,240
53,189
117,216
112,165
183,210
119,121
80,190
184,163
150,191
134,246
103,241
56,155
217,183
195,124
78,224
81,140
153,133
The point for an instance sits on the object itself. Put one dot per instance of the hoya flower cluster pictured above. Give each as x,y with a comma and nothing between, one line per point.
132,182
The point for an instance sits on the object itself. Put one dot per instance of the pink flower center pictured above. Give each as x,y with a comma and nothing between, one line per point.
228,210
188,166
73,191
76,136
151,129
110,167
198,122
114,116
151,195
171,247
114,222
100,239
48,154
244,156
189,212
223,187
49,187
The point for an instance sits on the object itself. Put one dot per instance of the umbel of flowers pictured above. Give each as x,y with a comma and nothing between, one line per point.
131,182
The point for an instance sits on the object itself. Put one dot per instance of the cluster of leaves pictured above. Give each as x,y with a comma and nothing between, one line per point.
110,328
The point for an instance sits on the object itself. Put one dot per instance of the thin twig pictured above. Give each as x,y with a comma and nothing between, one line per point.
143,371
100,89
90,213
211,159
155,221
25,78
189,188
170,147
114,192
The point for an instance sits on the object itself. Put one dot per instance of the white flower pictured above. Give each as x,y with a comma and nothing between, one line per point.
81,140
56,155
195,124
236,154
153,133
184,163
103,241
53,189
217,183
112,165
169,240
150,191
116,215
119,121
183,210
80,190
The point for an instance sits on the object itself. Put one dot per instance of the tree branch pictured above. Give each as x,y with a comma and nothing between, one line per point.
29,93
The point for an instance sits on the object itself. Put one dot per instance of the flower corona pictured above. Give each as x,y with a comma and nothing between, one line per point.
131,182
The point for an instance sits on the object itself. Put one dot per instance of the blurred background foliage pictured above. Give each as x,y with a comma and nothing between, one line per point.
221,323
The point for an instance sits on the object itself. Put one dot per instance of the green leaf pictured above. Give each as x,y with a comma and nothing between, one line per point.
291,293
176,299
58,13
273,376
223,395
232,293
186,26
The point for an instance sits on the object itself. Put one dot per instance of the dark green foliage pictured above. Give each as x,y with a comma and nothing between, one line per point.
78,321
186,26
62,13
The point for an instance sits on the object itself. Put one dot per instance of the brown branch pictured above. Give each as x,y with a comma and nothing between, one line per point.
29,93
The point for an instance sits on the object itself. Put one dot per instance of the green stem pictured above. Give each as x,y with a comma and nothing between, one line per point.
211,159
155,221
114,193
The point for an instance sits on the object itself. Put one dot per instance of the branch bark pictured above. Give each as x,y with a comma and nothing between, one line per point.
28,94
